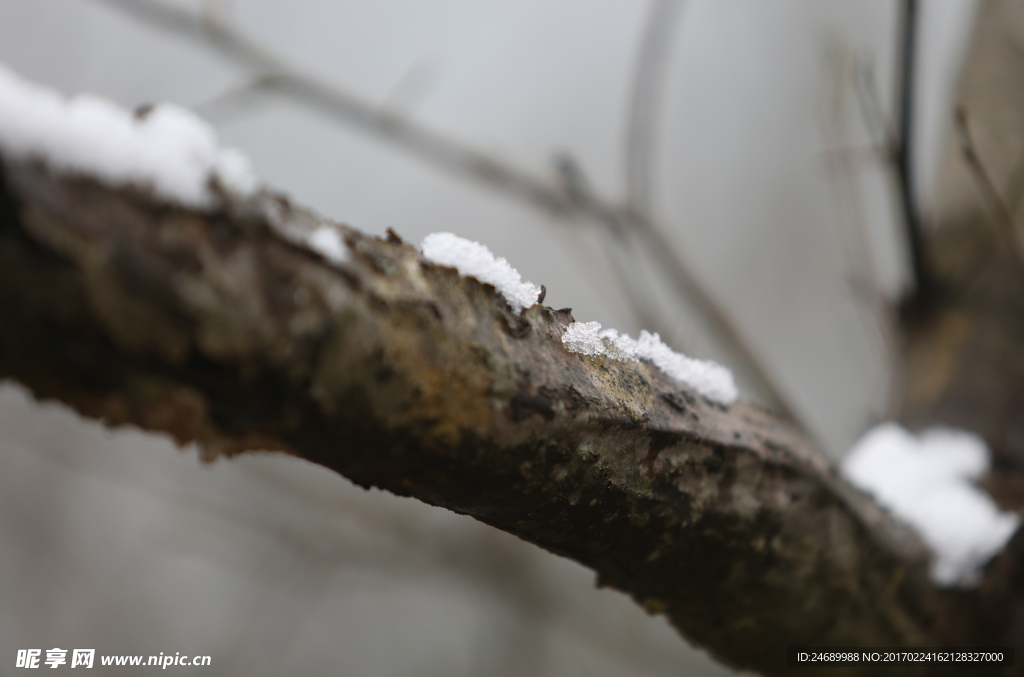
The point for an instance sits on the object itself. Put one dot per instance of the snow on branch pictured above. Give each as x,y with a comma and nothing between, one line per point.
167,149
473,259
248,323
708,378
928,482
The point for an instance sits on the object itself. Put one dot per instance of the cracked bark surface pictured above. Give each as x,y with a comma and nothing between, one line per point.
221,327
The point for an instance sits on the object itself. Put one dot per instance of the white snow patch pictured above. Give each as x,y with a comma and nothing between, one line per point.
327,242
927,482
710,379
584,338
473,259
170,150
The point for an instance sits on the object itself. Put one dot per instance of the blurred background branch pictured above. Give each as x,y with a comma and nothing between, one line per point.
904,156
1004,225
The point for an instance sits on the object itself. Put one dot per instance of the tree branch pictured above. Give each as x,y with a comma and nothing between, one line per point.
1005,227
223,328
904,157
274,74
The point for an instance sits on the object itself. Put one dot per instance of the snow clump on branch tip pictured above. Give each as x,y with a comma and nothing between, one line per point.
326,241
708,378
927,482
167,149
473,259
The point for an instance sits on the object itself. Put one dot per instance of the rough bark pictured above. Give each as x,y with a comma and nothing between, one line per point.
223,328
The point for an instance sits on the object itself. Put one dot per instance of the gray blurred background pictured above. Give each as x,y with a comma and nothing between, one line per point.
764,171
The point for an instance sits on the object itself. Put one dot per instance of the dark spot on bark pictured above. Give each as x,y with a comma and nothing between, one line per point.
548,392
728,462
542,294
576,400
377,302
418,307
393,237
660,440
223,235
713,463
147,274
680,401
713,403
516,325
524,404
674,401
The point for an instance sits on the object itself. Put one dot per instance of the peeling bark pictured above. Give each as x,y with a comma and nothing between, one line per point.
223,328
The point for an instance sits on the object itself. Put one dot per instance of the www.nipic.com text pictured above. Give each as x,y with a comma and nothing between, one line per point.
85,658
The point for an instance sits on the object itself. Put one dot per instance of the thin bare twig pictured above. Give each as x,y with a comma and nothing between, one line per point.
1004,217
645,104
229,103
219,12
617,246
718,323
844,73
620,226
273,74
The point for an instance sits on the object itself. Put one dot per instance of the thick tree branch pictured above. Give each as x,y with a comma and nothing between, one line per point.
275,75
222,327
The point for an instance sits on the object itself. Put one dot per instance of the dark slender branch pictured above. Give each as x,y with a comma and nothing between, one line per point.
907,52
